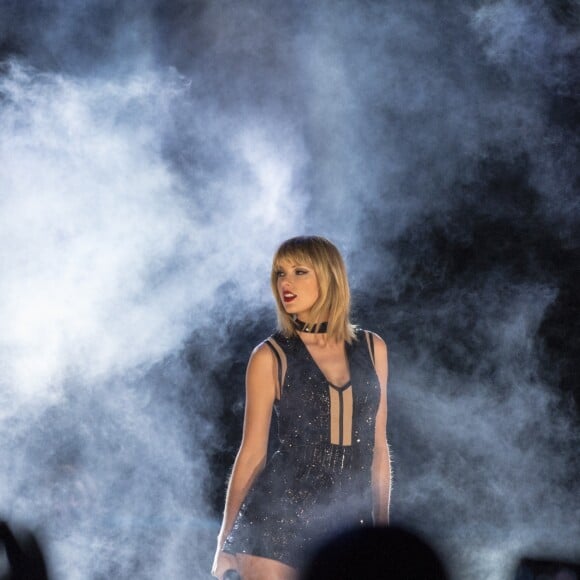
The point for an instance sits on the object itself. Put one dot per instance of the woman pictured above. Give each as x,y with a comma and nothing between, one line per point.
326,380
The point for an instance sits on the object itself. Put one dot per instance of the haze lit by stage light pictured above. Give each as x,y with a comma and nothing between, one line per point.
152,157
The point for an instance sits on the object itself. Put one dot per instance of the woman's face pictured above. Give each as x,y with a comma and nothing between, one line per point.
297,287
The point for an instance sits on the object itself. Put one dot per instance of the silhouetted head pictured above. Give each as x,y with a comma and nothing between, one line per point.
24,554
368,553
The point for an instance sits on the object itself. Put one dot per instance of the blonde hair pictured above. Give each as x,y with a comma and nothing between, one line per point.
333,303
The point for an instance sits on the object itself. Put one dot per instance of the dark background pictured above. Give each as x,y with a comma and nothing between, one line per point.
154,154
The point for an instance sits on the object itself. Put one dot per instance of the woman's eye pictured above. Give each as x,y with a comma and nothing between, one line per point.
301,272
279,274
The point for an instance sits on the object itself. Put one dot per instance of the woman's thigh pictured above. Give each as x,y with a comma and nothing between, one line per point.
258,568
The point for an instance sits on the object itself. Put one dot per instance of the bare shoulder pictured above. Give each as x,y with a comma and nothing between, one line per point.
261,374
379,343
261,350
380,358
262,356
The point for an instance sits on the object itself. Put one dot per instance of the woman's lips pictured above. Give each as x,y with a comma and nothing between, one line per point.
288,297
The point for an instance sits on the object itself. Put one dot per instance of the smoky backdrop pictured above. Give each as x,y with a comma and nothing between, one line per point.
154,153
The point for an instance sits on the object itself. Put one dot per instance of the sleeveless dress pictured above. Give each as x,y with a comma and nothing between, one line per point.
319,479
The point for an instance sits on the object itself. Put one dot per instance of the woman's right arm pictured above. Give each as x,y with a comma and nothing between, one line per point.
261,376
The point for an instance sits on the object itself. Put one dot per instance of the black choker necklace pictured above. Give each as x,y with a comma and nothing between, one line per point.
307,327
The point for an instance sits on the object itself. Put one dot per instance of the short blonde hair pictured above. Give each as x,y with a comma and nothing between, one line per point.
333,303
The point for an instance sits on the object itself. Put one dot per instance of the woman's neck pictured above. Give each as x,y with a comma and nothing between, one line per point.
313,339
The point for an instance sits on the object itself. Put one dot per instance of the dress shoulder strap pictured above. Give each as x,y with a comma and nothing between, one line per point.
281,361
371,344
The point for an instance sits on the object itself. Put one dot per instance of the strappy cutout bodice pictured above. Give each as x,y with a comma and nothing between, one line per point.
310,356
282,364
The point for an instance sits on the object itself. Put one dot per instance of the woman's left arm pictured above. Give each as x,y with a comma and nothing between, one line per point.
381,468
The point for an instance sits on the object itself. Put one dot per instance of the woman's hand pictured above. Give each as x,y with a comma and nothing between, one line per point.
223,561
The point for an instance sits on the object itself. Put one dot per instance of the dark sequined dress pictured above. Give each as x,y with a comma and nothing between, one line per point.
319,479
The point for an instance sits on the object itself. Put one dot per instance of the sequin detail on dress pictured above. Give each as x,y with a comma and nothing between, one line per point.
319,479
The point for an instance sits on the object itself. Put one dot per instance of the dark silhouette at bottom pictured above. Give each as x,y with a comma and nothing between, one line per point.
391,553
531,569
24,556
